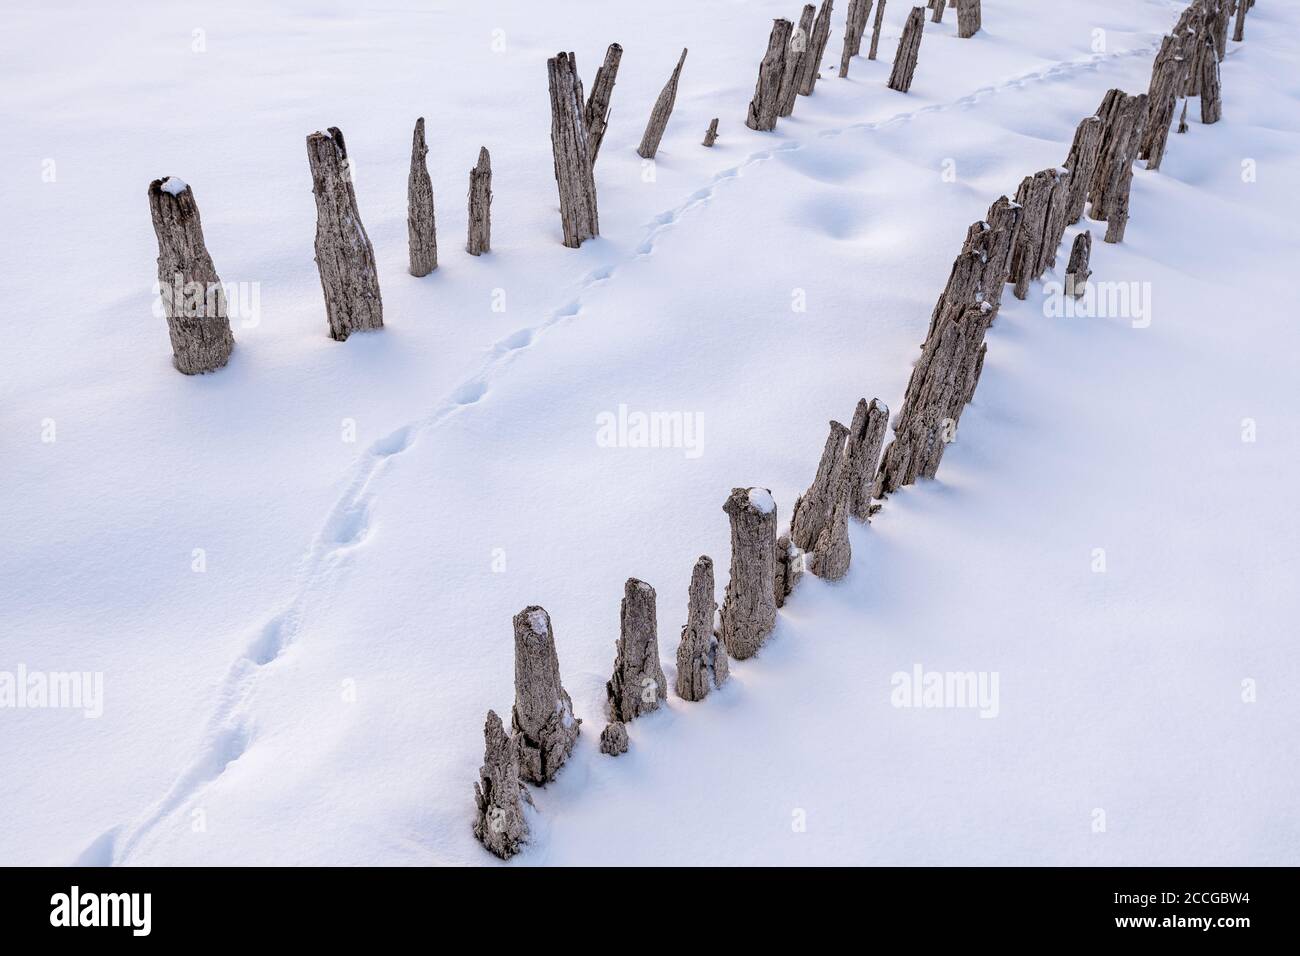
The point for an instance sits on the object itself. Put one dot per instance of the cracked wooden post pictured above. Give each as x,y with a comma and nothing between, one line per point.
1162,100
701,659
832,555
344,257
597,111
796,57
638,684
789,569
938,6
816,48
1115,172
1082,164
421,225
479,240
876,26
812,509
762,111
579,216
197,324
499,822
854,26
613,739
711,134
654,128
1044,197
909,48
1211,95
749,606
1239,27
862,454
969,18
543,721
1182,120
1076,272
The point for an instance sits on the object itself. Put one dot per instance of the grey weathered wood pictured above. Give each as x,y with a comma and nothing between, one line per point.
789,569
499,797
613,739
479,239
1182,120
543,720
938,6
1112,199
638,684
816,48
813,508
1085,152
764,107
876,26
970,18
421,224
711,134
831,557
1211,95
344,257
698,652
909,48
1239,27
796,58
654,128
1220,16
194,302
1044,198
749,606
1162,100
1076,271
854,26
862,454
570,152
597,111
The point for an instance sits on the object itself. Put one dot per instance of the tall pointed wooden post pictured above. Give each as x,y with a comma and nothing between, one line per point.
421,225
658,122
570,147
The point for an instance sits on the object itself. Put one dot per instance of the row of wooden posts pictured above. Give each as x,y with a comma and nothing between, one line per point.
198,323
1014,244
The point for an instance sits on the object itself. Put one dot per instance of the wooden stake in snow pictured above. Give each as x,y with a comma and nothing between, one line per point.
654,128
499,797
1182,120
816,48
1211,97
875,29
763,107
938,7
1239,28
813,508
969,18
909,48
613,739
421,226
1162,100
579,216
711,134
344,256
1115,172
862,454
749,606
638,683
597,111
701,659
480,206
1076,272
543,721
831,557
854,27
1082,164
789,569
198,322
796,59
1044,198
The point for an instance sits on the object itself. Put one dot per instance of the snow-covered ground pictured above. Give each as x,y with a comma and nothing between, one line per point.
316,694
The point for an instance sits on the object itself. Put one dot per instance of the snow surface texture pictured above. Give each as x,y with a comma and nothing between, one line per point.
316,693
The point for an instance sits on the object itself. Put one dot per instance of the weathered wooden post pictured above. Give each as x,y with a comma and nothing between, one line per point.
344,256
789,569
638,684
421,226
1182,120
711,134
876,26
749,606
938,7
198,321
1045,198
909,48
862,454
480,206
597,111
1239,28
969,18
1076,272
1162,100
499,797
795,59
701,658
816,48
812,509
763,107
570,147
831,557
1082,164
854,27
613,739
654,128
1211,95
543,720
1114,176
